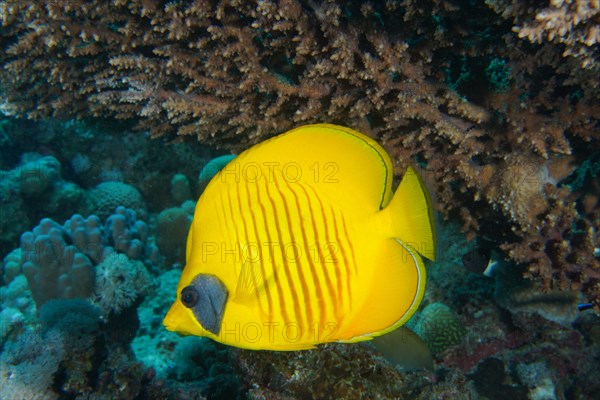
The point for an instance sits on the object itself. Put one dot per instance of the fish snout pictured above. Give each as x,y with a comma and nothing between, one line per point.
177,319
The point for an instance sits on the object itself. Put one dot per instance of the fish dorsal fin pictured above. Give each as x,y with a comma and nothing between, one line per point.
341,163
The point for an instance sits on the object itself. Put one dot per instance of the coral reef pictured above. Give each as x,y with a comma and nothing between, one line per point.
198,359
172,228
500,112
232,73
86,235
54,269
13,217
539,379
35,187
37,176
88,157
574,24
107,196
127,353
180,188
334,371
42,186
438,326
18,309
344,372
76,354
153,345
59,261
11,266
27,371
127,234
77,323
119,282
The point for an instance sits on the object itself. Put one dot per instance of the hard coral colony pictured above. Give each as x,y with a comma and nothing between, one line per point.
494,103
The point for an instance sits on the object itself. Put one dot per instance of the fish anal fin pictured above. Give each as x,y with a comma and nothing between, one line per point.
405,349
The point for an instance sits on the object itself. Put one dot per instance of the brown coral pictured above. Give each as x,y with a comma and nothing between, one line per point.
573,23
222,71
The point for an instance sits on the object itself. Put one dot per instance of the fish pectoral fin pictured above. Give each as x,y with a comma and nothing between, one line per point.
251,282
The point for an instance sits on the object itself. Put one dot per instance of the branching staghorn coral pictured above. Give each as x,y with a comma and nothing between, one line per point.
231,70
232,73
573,23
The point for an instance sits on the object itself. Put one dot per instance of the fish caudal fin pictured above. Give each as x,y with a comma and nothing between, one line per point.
412,215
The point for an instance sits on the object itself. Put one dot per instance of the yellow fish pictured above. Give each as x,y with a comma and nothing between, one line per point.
300,241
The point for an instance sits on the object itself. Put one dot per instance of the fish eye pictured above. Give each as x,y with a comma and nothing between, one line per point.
189,296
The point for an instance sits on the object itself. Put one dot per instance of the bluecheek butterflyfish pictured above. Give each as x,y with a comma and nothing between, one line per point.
300,240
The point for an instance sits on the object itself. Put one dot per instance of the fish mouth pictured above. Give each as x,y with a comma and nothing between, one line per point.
168,323
169,320
178,319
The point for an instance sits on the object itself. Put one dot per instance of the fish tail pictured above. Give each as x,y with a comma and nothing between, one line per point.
411,213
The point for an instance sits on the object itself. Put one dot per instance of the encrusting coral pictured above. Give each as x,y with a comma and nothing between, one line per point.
234,72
